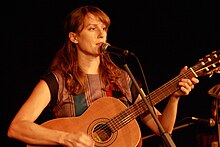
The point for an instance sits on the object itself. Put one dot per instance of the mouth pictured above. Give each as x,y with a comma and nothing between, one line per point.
99,44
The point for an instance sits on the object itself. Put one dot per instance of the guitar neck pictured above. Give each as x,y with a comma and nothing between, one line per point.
103,125
156,96
206,66
170,87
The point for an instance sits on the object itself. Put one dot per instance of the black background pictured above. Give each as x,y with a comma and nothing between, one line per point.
164,35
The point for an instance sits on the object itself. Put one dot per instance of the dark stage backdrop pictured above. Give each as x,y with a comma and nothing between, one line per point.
164,35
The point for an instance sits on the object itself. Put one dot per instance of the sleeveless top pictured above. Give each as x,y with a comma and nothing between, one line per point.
67,105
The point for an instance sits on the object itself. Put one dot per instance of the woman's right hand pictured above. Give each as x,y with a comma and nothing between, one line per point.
78,139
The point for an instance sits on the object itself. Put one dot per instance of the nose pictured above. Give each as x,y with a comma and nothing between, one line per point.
101,33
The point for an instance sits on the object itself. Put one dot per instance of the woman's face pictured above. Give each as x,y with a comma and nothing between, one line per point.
89,40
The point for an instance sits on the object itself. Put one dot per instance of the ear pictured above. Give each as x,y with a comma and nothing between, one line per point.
73,37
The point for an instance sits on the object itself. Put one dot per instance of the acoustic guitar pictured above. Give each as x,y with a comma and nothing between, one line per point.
111,124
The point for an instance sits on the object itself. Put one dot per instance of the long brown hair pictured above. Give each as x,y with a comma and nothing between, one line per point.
66,62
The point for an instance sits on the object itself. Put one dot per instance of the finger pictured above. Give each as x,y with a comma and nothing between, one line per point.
185,82
195,80
184,90
183,69
186,85
87,142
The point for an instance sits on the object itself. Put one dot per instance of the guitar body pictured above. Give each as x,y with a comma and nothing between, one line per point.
111,124
93,123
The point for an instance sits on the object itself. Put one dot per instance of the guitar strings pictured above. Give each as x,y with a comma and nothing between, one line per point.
115,123
141,107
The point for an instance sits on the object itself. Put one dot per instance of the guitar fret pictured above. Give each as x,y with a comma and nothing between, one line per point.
126,116
101,132
139,108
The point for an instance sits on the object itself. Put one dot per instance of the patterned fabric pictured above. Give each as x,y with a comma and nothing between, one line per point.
75,105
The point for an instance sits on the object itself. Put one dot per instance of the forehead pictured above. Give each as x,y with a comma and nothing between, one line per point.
91,19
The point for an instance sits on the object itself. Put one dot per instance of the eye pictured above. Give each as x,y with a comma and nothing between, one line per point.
91,29
104,29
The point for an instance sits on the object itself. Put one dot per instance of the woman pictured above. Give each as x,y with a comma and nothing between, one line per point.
78,76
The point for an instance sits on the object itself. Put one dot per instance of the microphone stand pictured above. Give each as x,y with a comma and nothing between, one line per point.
214,92
166,137
217,120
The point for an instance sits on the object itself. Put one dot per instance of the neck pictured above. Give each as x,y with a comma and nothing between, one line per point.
89,64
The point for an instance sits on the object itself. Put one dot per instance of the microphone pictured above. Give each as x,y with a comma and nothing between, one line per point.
107,48
210,121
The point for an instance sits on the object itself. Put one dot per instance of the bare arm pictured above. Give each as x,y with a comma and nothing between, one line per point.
24,129
168,117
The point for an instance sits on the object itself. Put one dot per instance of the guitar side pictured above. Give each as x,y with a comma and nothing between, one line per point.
100,112
102,120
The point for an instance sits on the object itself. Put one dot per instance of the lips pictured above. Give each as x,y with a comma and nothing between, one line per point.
99,44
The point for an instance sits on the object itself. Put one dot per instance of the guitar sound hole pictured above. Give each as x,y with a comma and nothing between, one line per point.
102,133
